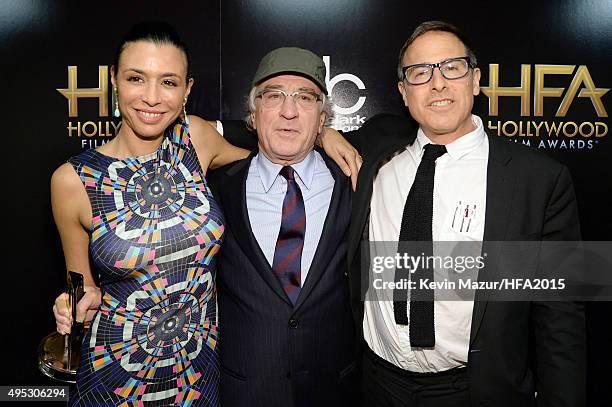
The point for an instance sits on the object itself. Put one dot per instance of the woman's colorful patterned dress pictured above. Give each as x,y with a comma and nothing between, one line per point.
154,235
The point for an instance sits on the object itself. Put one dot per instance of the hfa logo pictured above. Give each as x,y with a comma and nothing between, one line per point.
89,129
555,133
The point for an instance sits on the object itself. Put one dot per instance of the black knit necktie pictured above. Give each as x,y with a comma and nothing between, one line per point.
415,240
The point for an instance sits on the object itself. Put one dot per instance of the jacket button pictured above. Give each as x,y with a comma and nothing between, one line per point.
293,323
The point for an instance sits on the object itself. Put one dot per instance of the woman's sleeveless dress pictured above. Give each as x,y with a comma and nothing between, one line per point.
154,236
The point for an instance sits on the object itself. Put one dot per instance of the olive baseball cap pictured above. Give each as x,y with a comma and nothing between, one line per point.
291,60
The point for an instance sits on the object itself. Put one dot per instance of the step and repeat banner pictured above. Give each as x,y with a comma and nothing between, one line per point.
545,83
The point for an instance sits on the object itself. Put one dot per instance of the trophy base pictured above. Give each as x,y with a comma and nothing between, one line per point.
53,359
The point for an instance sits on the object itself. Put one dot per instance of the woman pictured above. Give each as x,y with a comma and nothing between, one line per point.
138,211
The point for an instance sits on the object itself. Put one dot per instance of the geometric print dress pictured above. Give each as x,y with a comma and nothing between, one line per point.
154,235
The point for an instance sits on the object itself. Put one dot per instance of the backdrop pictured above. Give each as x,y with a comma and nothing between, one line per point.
545,82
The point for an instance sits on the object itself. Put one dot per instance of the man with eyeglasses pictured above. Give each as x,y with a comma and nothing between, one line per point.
287,336
447,180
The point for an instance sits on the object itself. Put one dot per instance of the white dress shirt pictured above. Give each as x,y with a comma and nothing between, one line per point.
459,192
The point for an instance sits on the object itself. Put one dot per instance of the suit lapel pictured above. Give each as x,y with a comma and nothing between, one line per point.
233,192
363,196
334,230
500,190
379,138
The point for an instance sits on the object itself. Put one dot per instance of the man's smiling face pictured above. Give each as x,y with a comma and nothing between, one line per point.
442,107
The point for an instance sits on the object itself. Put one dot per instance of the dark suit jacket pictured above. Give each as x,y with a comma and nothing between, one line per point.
516,348
274,353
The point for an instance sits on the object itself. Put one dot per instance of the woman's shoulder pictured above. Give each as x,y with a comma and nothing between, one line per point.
65,178
200,128
203,133
85,167
86,157
194,131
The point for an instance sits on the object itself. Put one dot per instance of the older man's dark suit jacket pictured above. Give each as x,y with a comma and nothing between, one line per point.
516,348
274,353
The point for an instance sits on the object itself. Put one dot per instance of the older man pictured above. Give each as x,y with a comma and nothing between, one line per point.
287,336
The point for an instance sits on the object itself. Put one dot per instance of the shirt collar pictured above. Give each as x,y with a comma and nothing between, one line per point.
460,147
268,171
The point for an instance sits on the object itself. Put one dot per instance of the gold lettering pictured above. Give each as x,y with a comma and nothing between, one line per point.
116,126
529,133
70,128
108,129
589,91
597,126
540,91
504,129
525,131
72,93
520,130
553,128
101,130
537,127
565,132
492,127
494,91
91,133
590,133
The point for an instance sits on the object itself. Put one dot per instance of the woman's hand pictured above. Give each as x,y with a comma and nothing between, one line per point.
86,309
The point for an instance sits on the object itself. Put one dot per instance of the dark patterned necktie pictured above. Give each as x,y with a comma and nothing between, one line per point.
415,239
288,252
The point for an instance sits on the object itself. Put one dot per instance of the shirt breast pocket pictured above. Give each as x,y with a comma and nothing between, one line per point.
463,222
464,219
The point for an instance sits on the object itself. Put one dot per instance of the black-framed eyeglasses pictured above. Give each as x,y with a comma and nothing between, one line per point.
271,98
453,68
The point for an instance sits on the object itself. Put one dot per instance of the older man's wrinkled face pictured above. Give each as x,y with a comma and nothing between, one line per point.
287,131
442,107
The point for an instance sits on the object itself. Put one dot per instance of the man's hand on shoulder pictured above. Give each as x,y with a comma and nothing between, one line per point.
342,152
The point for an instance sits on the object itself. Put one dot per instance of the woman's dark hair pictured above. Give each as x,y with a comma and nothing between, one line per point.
157,32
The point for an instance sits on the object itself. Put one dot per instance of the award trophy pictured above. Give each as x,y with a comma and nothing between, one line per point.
58,355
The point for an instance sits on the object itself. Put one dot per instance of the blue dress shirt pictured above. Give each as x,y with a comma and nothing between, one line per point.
265,191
